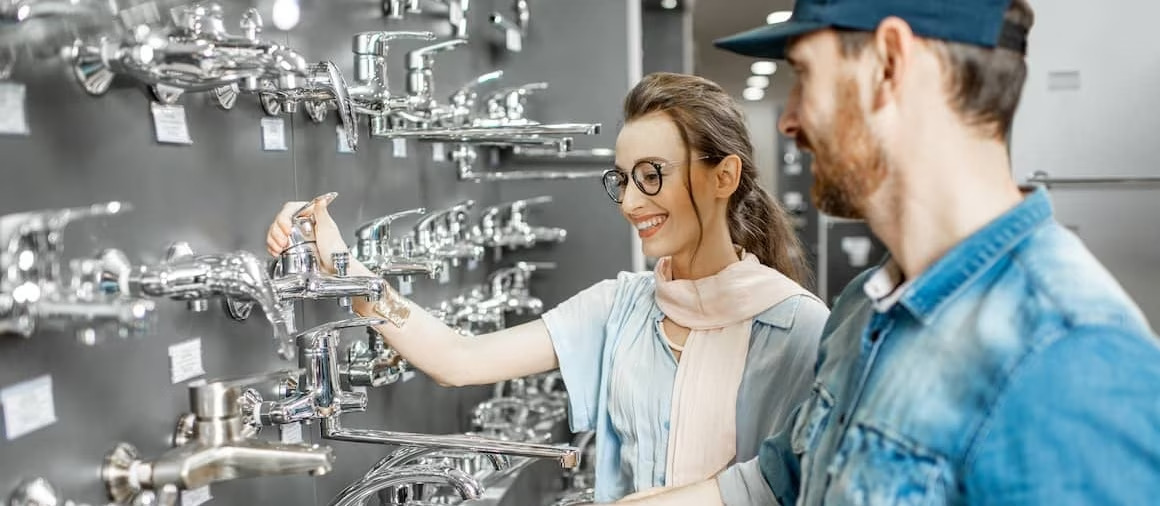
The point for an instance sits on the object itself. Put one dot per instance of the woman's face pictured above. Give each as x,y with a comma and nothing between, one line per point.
665,222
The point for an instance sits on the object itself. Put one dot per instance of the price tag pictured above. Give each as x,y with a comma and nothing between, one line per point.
444,275
359,389
343,142
408,376
291,433
169,123
793,169
405,286
185,360
13,119
399,148
472,264
438,153
28,406
274,134
515,41
196,497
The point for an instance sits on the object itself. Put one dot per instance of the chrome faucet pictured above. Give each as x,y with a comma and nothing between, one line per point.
238,276
456,11
461,108
509,286
194,54
420,78
481,466
359,492
372,363
319,394
386,256
508,107
515,232
298,275
446,235
371,93
218,451
513,28
32,293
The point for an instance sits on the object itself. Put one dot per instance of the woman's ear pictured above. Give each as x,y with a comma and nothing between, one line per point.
728,176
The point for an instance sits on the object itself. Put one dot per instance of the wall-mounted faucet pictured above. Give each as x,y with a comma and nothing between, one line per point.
238,276
372,363
513,28
508,107
371,93
461,108
298,275
32,293
455,10
445,235
319,393
218,451
515,232
420,78
386,256
194,54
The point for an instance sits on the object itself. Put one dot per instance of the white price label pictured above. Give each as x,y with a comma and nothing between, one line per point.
405,286
185,360
196,497
169,123
291,433
13,119
343,141
515,41
438,152
444,276
28,406
274,134
359,389
793,169
399,148
407,376
472,264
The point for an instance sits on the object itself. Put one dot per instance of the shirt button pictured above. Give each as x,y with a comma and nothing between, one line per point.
666,425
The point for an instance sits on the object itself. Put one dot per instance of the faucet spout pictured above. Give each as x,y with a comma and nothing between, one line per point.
359,492
196,465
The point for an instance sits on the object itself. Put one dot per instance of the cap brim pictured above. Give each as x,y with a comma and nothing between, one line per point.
767,41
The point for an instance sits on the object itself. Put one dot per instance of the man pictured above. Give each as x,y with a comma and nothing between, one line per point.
991,359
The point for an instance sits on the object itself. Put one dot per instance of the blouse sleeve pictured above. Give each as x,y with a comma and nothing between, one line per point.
576,328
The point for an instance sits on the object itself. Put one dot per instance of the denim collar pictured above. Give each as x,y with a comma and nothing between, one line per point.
925,295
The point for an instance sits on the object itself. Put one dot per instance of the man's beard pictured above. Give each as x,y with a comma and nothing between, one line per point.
849,165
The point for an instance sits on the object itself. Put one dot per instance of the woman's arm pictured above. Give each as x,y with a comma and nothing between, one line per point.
452,359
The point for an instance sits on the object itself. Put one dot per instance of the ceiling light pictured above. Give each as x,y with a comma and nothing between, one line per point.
763,68
286,14
778,17
757,82
669,4
753,94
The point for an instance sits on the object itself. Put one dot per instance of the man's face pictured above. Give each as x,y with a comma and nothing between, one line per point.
828,116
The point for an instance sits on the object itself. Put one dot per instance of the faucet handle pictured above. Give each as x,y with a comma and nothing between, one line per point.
369,229
326,76
535,266
423,57
329,327
466,94
518,206
251,24
375,42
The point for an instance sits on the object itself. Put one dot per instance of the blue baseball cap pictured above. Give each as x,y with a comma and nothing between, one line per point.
978,22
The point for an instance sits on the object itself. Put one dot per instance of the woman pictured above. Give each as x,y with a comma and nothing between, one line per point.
681,371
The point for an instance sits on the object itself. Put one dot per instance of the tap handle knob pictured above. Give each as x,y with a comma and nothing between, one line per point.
423,58
534,201
375,43
303,222
380,228
467,94
327,328
251,24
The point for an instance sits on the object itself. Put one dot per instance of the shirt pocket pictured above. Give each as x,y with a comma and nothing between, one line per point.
874,467
812,419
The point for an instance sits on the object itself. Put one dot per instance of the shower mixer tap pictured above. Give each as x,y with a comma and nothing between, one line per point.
32,293
239,277
371,93
508,107
298,275
217,451
376,249
372,363
445,235
194,54
420,78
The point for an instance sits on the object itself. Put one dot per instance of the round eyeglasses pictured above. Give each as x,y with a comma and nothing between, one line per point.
646,174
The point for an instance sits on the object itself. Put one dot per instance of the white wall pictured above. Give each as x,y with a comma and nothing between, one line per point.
1109,126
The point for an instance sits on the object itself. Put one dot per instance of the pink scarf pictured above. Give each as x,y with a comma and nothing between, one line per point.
718,311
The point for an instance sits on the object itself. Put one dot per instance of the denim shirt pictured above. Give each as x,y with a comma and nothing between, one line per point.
1015,370
620,372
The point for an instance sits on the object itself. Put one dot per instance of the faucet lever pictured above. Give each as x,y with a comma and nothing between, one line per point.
375,42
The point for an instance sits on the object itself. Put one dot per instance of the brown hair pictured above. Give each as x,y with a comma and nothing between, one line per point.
711,123
984,84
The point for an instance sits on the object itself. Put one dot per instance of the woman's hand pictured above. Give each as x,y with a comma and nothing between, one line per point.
327,235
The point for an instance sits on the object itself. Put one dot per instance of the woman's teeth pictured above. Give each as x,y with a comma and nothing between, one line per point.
655,222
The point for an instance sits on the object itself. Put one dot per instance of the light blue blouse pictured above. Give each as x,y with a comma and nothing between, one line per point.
620,374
